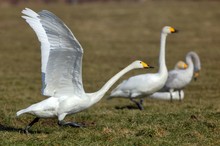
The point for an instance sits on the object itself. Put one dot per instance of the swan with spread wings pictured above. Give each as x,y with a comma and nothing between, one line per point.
61,55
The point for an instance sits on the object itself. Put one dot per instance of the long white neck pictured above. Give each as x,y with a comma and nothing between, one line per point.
196,61
189,62
95,97
162,63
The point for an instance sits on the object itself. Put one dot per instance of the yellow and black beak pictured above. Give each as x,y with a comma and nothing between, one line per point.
146,65
173,30
196,75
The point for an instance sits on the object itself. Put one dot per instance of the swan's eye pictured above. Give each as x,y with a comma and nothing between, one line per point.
140,62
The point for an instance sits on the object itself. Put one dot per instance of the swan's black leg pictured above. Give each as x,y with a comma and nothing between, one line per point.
179,95
139,104
30,125
72,124
141,101
171,96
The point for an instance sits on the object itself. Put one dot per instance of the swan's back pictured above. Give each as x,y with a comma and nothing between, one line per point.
177,79
144,84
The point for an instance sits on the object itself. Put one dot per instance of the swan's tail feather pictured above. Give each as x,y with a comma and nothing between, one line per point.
20,112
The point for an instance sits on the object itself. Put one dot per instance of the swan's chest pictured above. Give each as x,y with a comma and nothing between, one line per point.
73,105
155,83
181,81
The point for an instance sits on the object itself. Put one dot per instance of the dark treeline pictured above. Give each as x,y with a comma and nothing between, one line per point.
15,2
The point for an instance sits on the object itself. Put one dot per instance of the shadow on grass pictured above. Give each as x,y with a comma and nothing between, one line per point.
19,130
129,107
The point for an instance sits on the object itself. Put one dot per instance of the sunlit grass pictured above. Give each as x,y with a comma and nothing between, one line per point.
113,35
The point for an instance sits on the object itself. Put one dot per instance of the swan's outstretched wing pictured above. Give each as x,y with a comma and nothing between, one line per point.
61,54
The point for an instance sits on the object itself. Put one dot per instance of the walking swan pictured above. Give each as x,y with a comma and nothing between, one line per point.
62,71
146,84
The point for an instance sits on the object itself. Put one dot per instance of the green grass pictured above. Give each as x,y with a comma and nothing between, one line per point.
113,35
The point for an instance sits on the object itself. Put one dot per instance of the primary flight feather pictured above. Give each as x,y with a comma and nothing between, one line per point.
61,69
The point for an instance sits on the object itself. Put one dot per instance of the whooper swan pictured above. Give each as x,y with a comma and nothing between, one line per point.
175,95
146,84
178,79
62,71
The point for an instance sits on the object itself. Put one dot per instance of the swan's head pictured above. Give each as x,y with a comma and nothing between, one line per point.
168,30
141,64
181,65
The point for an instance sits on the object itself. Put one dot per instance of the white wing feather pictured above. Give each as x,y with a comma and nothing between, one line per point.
61,54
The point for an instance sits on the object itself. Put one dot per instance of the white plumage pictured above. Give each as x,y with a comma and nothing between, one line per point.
180,78
146,84
180,65
62,70
176,95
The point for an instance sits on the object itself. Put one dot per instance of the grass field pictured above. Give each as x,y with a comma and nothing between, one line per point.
113,35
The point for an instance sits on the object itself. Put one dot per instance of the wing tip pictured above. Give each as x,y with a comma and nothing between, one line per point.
29,12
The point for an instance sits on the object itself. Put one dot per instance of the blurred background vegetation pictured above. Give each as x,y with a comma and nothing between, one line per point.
113,34
16,2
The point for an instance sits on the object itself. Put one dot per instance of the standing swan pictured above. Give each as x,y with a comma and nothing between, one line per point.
178,79
146,84
180,65
61,71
